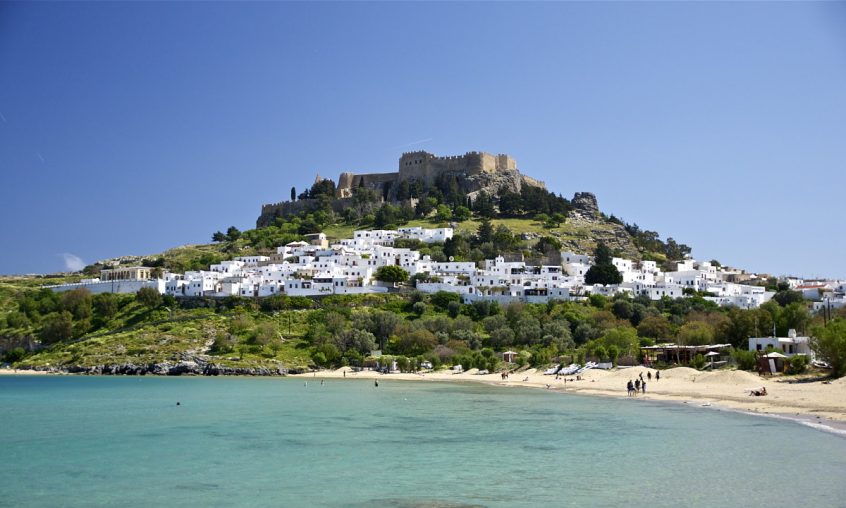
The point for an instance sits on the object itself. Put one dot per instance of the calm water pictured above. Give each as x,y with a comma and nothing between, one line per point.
88,441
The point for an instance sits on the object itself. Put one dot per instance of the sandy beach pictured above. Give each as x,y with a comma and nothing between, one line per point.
811,401
26,372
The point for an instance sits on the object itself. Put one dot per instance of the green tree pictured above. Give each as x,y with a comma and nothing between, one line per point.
623,337
233,233
655,327
613,353
485,232
391,273
786,297
149,297
600,353
557,219
461,213
78,302
442,299
219,236
548,245
443,213
425,206
359,340
419,308
105,305
502,337
293,193
603,271
57,327
695,333
14,355
829,343
416,342
542,218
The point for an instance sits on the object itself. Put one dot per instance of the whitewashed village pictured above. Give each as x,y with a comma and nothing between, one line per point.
317,268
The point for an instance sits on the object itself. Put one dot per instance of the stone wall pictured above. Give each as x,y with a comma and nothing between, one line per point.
348,182
271,211
426,167
476,171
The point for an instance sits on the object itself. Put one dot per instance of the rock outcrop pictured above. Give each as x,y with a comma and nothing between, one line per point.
183,365
585,204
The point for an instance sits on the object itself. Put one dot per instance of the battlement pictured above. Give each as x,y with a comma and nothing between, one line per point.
424,166
477,171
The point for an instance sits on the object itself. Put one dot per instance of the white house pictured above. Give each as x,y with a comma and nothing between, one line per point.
788,346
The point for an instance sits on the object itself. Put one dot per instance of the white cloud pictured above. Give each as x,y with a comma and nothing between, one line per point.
73,263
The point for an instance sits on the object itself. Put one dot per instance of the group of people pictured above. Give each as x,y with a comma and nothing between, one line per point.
639,384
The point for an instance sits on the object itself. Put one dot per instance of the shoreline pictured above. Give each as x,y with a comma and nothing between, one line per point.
819,405
814,404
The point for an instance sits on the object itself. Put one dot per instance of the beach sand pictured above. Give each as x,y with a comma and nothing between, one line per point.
725,389
17,372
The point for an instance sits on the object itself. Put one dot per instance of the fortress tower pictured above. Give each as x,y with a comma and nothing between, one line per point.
426,167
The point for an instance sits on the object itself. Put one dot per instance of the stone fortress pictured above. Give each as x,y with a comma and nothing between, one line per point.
426,168
474,172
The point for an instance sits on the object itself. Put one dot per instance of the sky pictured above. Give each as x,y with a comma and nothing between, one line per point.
130,128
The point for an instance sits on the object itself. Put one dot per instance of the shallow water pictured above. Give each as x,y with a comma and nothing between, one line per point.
106,441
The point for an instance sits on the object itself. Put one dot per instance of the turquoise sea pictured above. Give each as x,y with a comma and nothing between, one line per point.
123,441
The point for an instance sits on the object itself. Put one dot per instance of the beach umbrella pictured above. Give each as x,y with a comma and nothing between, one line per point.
774,355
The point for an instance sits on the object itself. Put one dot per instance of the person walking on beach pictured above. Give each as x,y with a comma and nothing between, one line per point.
630,387
657,375
643,387
637,386
649,375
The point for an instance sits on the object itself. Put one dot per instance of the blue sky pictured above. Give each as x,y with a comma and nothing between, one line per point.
129,128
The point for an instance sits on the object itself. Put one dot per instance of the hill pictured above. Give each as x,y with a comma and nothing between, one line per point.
130,334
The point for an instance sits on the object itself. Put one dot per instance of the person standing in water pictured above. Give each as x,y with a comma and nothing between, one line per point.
376,383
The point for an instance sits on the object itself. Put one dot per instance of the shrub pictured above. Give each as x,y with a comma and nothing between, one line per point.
698,362
149,297
745,360
441,299
14,355
798,364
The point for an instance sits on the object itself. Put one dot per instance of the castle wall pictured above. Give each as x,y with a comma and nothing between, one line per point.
490,172
426,167
348,182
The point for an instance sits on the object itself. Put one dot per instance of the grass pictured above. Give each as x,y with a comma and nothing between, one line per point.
579,238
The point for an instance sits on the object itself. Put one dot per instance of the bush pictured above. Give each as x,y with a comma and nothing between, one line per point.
798,364
419,308
442,299
745,360
57,327
148,297
14,355
698,362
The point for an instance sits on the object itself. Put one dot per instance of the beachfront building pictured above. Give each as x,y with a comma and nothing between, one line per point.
789,346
